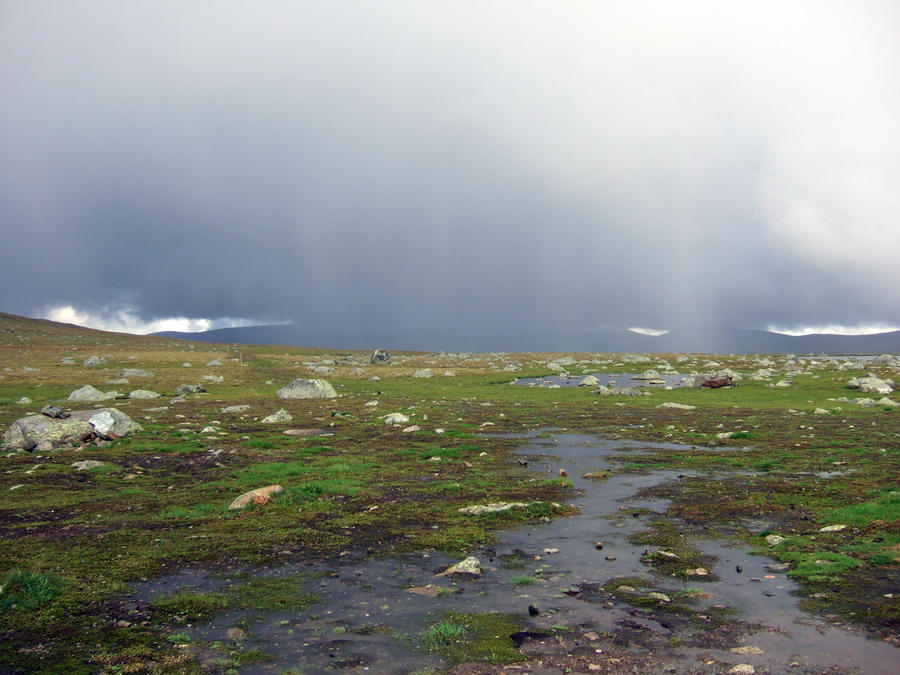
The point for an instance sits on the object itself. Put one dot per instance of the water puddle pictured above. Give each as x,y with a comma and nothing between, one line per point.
553,575
621,380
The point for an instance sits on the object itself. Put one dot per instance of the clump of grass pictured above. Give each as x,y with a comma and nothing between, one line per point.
29,590
885,508
523,580
443,634
276,594
190,605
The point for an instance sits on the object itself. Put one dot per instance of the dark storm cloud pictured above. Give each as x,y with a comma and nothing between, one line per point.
479,167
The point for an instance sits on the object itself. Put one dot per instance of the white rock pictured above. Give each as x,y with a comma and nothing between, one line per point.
396,418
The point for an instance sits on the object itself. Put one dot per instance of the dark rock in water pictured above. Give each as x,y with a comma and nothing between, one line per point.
380,356
54,411
533,611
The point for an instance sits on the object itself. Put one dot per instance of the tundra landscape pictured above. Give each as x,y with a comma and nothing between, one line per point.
432,512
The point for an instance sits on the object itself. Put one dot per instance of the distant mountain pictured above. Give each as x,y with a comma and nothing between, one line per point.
556,339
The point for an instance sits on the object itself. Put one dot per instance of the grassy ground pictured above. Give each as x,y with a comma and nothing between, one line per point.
73,540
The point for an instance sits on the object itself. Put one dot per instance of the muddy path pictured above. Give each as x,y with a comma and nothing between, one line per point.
579,594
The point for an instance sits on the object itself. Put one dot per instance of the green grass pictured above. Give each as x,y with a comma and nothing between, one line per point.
29,590
190,605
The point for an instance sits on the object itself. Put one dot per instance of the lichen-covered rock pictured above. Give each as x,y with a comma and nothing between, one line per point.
380,356
396,418
589,381
143,394
870,385
46,433
94,361
88,393
302,388
182,389
259,495
234,409
278,416
425,372
109,423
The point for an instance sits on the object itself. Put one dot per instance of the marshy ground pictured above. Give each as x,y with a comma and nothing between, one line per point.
138,565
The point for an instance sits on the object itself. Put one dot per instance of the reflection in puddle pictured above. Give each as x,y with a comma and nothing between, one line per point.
367,620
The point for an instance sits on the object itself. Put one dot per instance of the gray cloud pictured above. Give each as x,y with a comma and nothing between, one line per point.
482,166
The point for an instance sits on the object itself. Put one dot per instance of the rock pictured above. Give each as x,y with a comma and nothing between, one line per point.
866,402
54,411
47,433
888,402
186,364
143,394
94,361
213,378
214,362
87,464
698,572
784,383
380,356
88,393
183,389
470,566
259,494
820,411
662,597
67,361
774,539
411,429
742,669
281,415
870,385
305,432
301,388
24,401
234,409
136,372
396,418
677,406
832,528
449,373
746,650
235,633
109,423
120,380
647,375
778,567
602,390
425,372
589,381
496,507
713,382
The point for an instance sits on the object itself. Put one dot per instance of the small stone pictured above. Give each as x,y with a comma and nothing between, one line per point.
832,528
551,551
662,597
746,650
87,464
234,409
774,539
430,591
470,565
742,669
250,497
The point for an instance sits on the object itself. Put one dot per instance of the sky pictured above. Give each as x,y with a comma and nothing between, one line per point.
456,168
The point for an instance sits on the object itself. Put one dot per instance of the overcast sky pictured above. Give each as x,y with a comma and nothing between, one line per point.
463,164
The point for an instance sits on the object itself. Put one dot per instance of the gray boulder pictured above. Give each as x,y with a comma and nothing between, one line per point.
108,423
143,393
380,356
589,381
425,372
94,361
870,385
234,409
278,416
46,433
302,388
136,372
182,389
88,393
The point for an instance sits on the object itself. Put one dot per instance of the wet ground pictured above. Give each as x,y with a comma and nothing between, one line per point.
582,607
621,380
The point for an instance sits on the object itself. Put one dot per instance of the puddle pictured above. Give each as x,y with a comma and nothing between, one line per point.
367,621
621,380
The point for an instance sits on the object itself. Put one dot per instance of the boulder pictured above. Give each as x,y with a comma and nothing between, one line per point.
88,393
143,393
425,372
46,433
870,385
234,409
301,388
647,375
589,381
380,356
108,423
214,362
94,361
182,389
470,566
262,494
396,418
87,464
278,416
